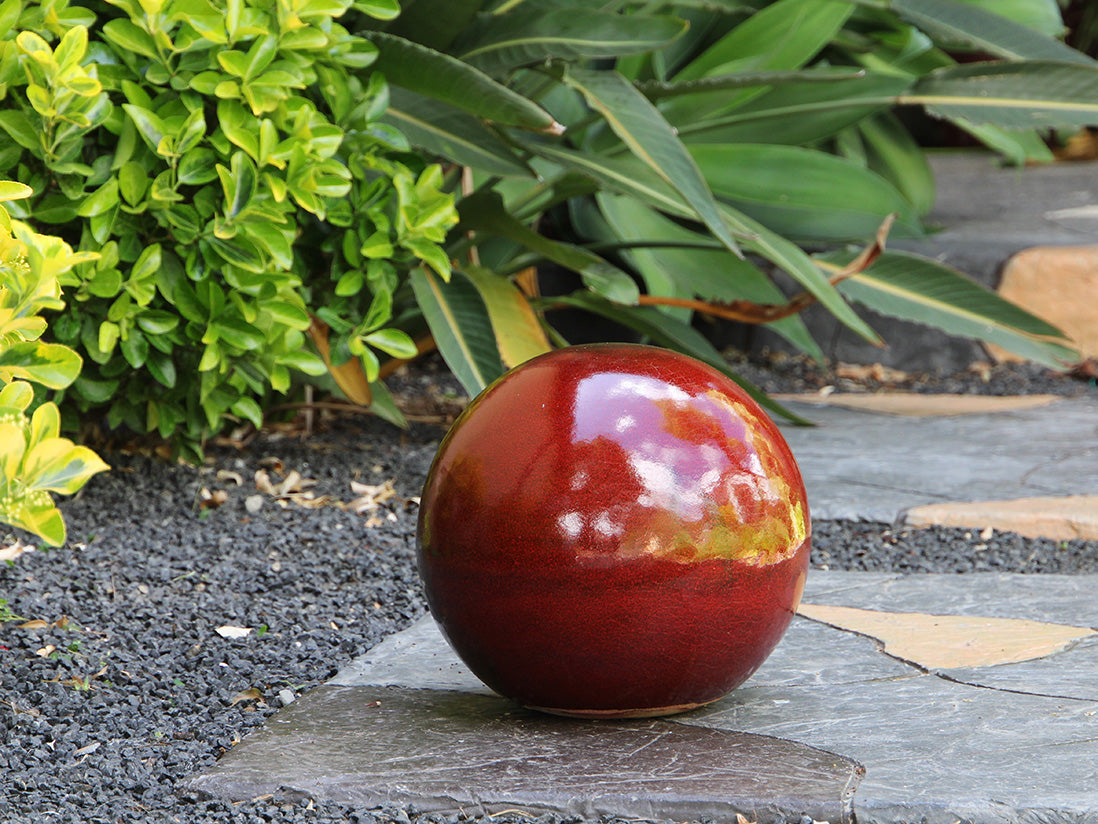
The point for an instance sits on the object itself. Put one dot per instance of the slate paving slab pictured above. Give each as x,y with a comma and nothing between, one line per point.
454,751
993,744
989,745
863,466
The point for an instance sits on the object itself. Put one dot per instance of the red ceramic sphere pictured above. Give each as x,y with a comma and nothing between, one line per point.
613,531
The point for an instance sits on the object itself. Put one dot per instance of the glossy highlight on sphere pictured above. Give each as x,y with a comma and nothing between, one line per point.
613,530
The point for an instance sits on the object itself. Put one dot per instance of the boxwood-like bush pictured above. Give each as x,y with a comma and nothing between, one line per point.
225,160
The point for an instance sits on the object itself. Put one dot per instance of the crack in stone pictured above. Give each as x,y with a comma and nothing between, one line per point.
922,670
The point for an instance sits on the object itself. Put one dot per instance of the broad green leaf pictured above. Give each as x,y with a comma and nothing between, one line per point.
159,321
784,35
452,134
238,333
459,322
129,37
803,193
248,409
49,364
649,137
442,77
101,200
1015,95
499,43
162,368
484,212
519,333
21,130
10,190
394,342
198,166
58,466
711,274
670,333
921,290
287,314
149,125
957,22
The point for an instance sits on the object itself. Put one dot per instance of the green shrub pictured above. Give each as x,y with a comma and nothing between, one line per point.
34,459
689,149
226,160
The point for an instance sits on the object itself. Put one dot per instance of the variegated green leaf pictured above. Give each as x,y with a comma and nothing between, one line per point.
459,322
445,78
642,128
924,291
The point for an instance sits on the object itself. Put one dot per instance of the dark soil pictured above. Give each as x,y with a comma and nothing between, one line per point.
116,684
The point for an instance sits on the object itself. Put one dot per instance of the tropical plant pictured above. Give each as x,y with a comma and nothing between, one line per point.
34,460
226,160
674,154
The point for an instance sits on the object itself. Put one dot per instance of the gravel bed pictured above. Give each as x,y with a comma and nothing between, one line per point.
116,683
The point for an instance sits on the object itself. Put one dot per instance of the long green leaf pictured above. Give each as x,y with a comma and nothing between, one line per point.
681,271
1041,15
1017,95
649,137
453,134
892,152
959,22
803,193
442,77
918,289
626,175
525,37
784,35
672,334
485,212
519,333
459,322
795,113
660,89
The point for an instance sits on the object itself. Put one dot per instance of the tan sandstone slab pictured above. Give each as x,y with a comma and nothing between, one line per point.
912,404
1061,519
936,642
1058,284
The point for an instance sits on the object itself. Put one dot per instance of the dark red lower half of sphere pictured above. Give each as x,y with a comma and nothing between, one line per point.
646,638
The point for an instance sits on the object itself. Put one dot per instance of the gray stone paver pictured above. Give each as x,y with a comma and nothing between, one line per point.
865,466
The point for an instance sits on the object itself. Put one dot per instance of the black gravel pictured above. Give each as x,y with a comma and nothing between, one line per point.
115,685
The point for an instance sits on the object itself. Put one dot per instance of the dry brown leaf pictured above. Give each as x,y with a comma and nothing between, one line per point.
370,496
46,651
227,475
252,694
37,623
13,551
951,641
212,500
873,371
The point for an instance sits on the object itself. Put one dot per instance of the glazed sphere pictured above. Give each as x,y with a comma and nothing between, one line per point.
613,530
